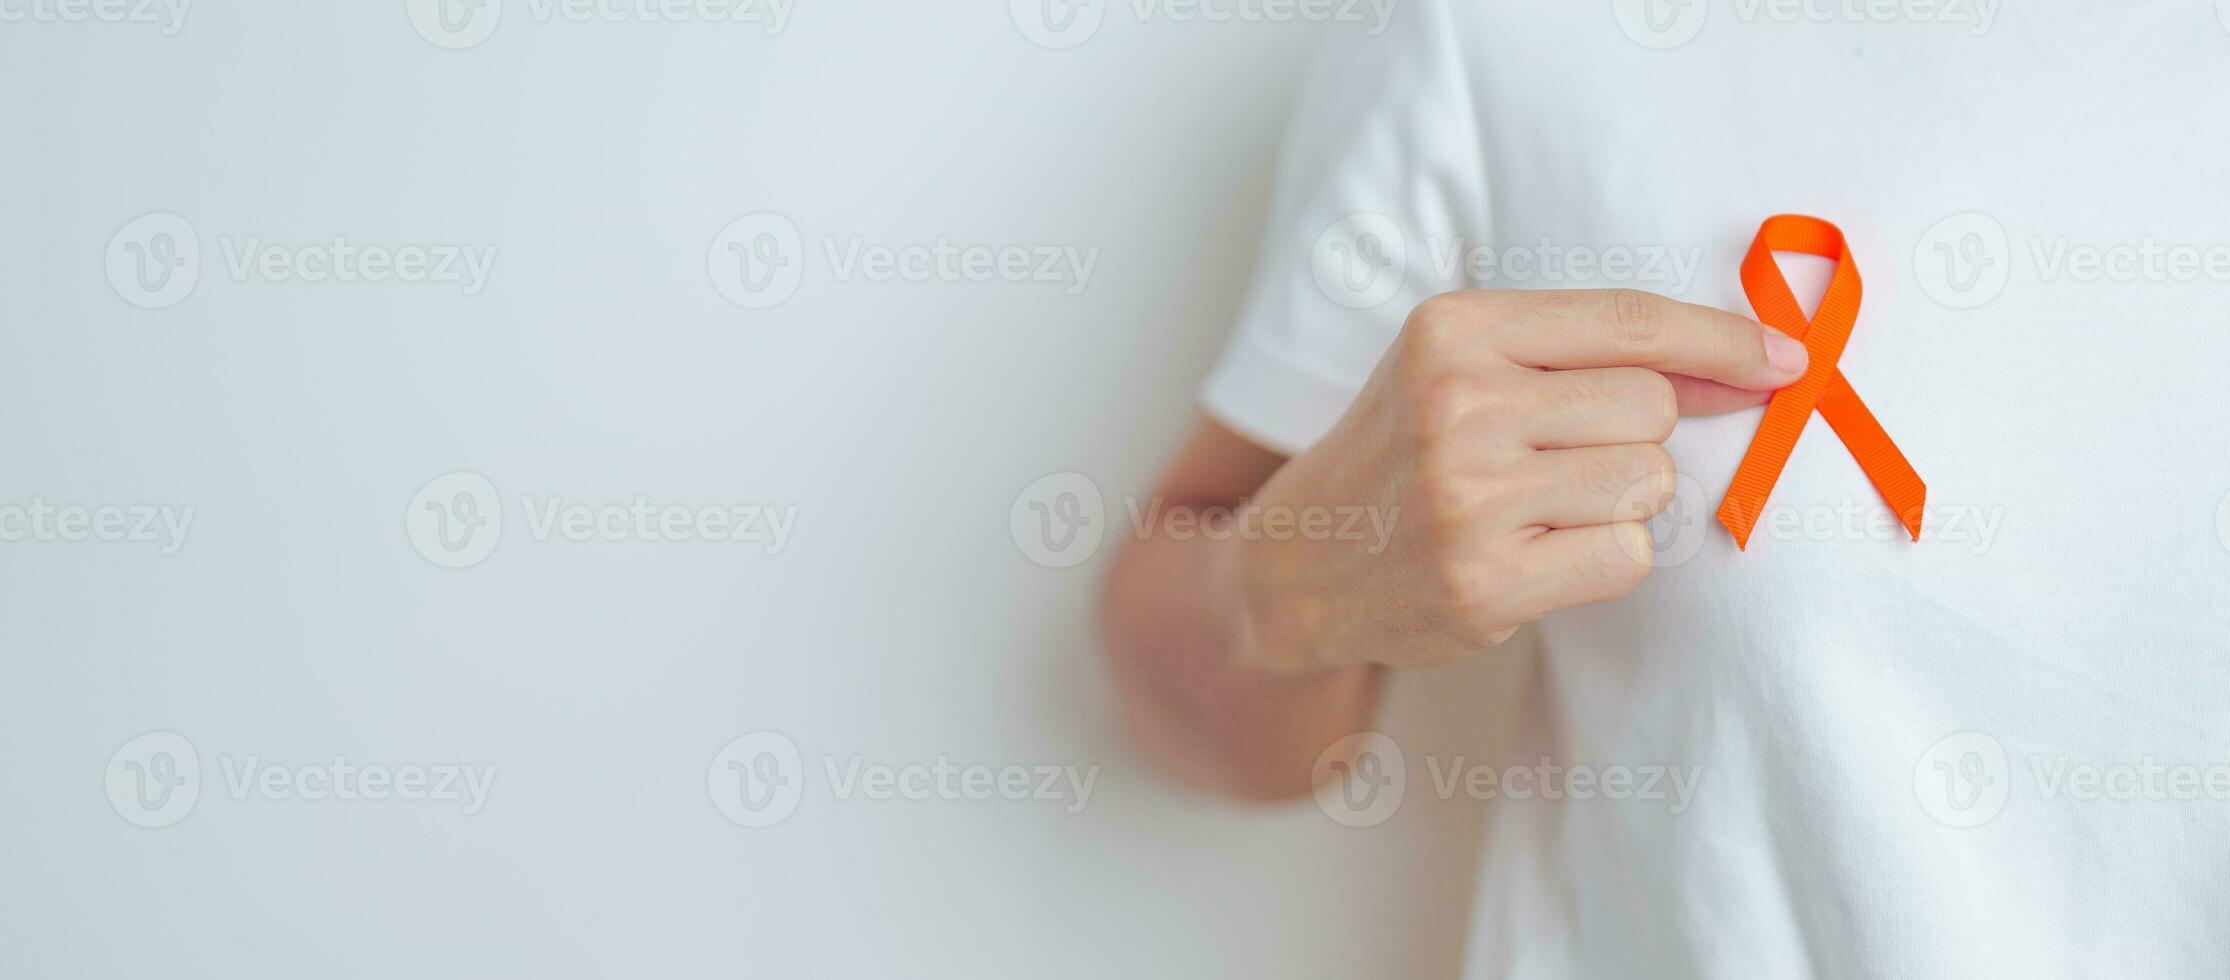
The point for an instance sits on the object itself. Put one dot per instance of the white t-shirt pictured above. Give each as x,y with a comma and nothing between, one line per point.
2003,750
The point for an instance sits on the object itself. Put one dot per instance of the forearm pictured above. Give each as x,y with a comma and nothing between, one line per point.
1198,691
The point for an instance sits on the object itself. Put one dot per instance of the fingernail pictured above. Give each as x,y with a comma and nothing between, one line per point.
1784,352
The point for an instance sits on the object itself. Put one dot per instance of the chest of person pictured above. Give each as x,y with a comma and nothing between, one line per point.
2044,331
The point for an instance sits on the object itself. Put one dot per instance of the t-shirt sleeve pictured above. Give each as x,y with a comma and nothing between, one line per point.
1379,181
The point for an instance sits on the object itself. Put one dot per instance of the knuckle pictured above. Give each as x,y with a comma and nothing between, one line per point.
1619,471
1438,326
1442,500
1453,582
1467,584
1452,500
1482,629
1647,485
1603,474
1441,402
1656,466
1637,321
1627,566
1661,403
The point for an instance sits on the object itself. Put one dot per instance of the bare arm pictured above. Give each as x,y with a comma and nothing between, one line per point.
1198,692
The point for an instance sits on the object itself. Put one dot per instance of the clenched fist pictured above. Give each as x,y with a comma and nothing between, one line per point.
1506,427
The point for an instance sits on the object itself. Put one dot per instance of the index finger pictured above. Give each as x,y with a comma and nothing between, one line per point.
1594,328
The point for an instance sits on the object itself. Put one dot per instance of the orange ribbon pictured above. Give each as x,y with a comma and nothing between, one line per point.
1823,386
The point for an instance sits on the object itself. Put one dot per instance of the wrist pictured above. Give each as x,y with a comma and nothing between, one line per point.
1260,634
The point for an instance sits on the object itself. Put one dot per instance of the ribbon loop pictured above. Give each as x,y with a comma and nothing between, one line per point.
1823,387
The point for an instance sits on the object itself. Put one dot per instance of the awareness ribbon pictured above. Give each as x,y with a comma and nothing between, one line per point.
1823,386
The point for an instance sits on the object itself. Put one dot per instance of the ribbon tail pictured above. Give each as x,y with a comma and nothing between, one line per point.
1739,515
1870,444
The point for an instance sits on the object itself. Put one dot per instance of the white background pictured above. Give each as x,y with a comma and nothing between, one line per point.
901,623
